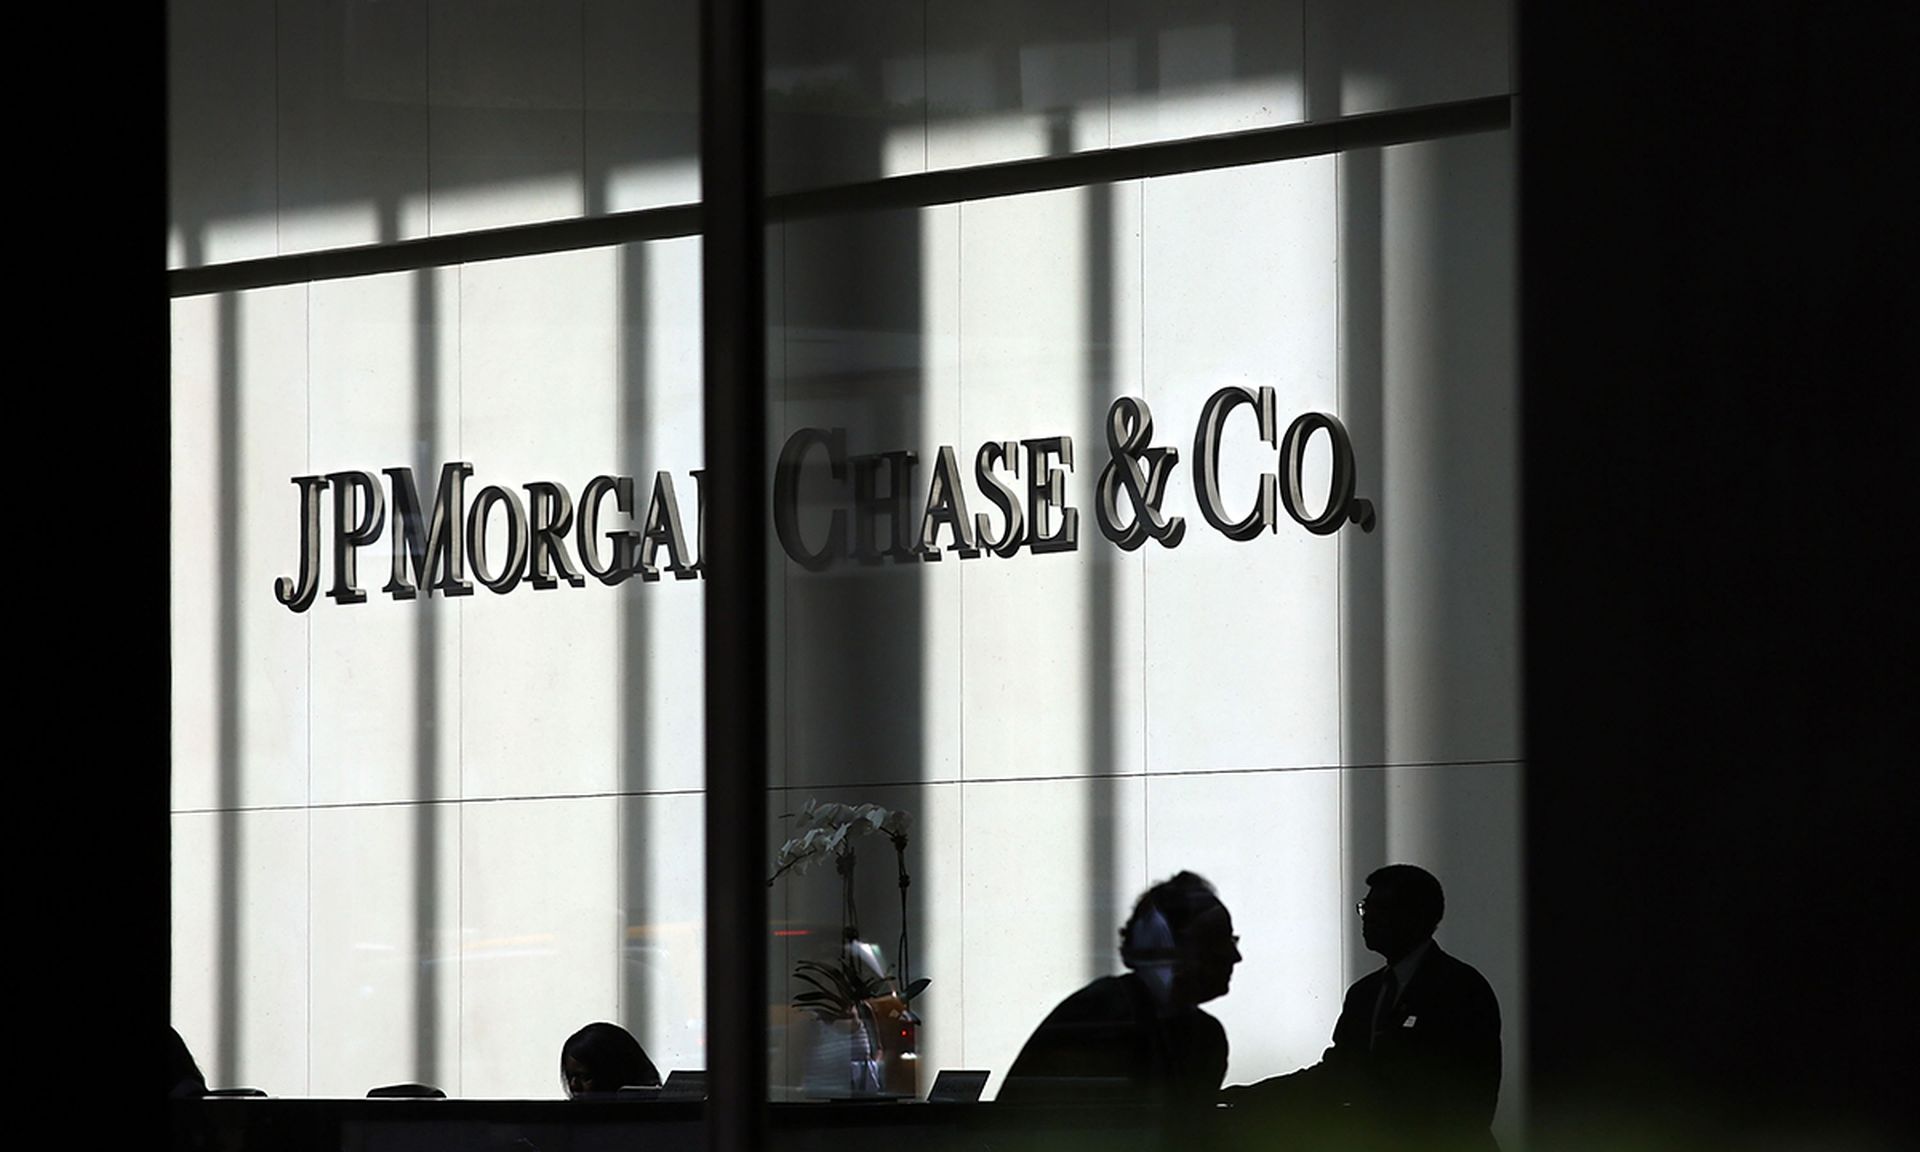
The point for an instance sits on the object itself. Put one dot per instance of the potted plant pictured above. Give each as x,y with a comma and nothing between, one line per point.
855,996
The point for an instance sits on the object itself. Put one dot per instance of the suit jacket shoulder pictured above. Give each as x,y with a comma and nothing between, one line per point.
1353,1031
1439,1051
1451,986
1106,1041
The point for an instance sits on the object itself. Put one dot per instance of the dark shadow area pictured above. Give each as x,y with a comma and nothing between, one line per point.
1416,1059
427,814
1363,639
1471,649
638,944
351,93
407,1091
505,82
1718,443
219,88
1099,298
854,631
379,104
1429,656
840,79
230,900
1141,1037
611,100
641,84
856,355
604,1058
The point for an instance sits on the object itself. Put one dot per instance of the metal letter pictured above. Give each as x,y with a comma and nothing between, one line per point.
1293,451
440,545
516,564
868,505
1002,495
786,496
297,593
367,520
1206,462
587,536
946,504
663,527
1047,488
549,515
1129,429
700,516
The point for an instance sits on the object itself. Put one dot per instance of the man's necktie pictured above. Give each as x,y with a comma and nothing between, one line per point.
1383,1009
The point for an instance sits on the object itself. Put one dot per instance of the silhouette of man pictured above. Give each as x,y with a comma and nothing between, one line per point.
1416,1051
1142,1036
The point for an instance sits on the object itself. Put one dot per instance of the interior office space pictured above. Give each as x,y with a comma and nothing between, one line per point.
1713,705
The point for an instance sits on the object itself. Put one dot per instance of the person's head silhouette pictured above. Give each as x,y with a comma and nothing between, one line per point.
605,1058
1403,906
1180,941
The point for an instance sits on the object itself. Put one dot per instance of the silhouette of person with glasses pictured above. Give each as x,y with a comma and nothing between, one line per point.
1142,1035
1416,1051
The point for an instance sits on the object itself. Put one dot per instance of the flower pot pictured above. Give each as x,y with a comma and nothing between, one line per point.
873,1055
840,1061
896,1032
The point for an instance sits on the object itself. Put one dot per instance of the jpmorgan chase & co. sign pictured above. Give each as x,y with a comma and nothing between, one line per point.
879,513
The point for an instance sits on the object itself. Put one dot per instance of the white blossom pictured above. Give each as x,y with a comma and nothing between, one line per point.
830,828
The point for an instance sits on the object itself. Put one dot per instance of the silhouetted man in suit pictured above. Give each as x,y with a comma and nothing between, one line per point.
1416,1051
1141,1037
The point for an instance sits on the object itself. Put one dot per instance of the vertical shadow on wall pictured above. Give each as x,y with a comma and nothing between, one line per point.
1468,814
1452,676
1468,219
1436,696
782,1061
638,944
1363,686
851,314
426,728
1097,305
231,853
856,722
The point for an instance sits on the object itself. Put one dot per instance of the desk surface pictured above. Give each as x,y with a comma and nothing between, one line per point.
404,1125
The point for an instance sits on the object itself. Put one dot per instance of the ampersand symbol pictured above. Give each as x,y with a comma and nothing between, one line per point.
1129,429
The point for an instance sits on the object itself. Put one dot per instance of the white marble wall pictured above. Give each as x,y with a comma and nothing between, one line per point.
1282,714
417,812
426,840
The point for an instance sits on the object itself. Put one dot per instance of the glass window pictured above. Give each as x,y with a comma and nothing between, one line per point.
1140,501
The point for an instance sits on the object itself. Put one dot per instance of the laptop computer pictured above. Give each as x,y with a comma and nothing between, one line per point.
957,1086
685,1085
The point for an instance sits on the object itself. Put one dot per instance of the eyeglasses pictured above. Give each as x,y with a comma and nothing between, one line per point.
1378,906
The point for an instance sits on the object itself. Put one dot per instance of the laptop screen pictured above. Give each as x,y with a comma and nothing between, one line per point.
684,1085
955,1086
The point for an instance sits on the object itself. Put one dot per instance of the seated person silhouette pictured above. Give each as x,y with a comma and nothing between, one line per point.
1416,1051
1141,1036
604,1058
184,1081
